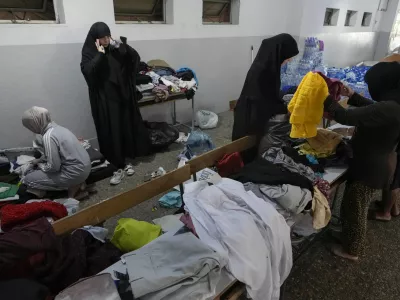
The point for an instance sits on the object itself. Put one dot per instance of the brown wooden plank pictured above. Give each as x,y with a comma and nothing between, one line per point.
208,159
106,209
234,294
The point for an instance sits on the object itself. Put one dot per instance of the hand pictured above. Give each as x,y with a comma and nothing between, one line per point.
346,91
99,47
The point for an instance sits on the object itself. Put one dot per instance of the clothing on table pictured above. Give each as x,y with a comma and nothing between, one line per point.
323,186
143,79
187,74
259,99
277,157
99,233
145,87
302,159
307,106
306,149
111,80
276,133
171,200
290,197
170,222
247,230
32,250
321,210
67,162
15,214
264,172
229,164
256,189
131,234
187,220
178,266
158,63
161,93
326,141
354,212
8,190
155,77
96,287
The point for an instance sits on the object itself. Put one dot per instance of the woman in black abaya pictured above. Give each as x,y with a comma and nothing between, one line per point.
109,67
259,100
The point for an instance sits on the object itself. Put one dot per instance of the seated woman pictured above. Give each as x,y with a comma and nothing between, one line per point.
374,142
65,165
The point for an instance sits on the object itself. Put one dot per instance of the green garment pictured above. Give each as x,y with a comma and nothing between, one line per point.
8,190
131,234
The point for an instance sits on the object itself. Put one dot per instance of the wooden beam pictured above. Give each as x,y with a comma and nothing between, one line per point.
210,158
106,209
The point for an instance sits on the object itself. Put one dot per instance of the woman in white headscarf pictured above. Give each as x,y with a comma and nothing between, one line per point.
65,164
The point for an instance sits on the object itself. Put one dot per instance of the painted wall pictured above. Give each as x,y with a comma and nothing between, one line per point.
40,62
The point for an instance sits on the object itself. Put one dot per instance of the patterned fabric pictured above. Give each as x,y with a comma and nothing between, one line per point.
354,212
323,186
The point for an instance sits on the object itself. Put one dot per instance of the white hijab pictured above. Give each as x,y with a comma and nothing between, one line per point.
36,119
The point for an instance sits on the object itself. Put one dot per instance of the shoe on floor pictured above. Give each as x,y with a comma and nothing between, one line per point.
117,177
129,170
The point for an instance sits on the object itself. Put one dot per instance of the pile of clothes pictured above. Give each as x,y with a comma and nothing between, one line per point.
31,250
157,78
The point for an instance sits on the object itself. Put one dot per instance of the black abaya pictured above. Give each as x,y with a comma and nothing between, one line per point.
259,100
110,77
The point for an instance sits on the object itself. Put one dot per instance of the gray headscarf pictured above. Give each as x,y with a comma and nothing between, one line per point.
36,119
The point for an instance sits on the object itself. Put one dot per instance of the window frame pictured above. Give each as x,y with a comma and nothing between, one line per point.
226,2
334,14
367,16
349,15
58,12
164,15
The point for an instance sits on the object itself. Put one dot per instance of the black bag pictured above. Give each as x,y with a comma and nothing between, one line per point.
161,135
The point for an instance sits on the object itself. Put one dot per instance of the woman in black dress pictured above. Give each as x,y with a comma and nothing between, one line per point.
109,68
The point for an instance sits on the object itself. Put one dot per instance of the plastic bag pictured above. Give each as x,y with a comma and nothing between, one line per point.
276,134
199,143
206,119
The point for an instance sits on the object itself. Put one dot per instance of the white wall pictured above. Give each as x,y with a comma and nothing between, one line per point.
257,18
40,62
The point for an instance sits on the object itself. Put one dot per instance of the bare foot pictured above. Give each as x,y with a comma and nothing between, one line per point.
339,251
379,216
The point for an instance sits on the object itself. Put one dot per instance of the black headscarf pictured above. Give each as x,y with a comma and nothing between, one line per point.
97,31
383,81
263,80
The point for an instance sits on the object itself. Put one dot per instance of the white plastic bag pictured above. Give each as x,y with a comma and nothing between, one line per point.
206,119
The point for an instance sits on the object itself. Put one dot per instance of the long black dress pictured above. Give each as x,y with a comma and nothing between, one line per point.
110,77
259,100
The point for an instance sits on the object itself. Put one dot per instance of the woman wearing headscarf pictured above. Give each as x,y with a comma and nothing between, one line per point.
374,142
65,164
109,67
259,100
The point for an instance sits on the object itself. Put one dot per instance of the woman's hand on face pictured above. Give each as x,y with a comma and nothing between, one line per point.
99,47
346,91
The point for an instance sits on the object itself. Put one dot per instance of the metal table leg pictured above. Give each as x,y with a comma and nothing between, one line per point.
193,115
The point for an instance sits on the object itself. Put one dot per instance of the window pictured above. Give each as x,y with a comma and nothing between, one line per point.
23,11
331,17
217,11
147,11
367,18
351,18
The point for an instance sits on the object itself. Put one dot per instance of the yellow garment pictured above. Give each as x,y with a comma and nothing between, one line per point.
131,234
307,106
321,210
305,149
326,141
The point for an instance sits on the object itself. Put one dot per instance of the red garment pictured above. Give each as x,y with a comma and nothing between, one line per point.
17,214
335,86
230,164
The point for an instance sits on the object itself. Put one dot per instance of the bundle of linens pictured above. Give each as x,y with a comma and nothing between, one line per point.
157,78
